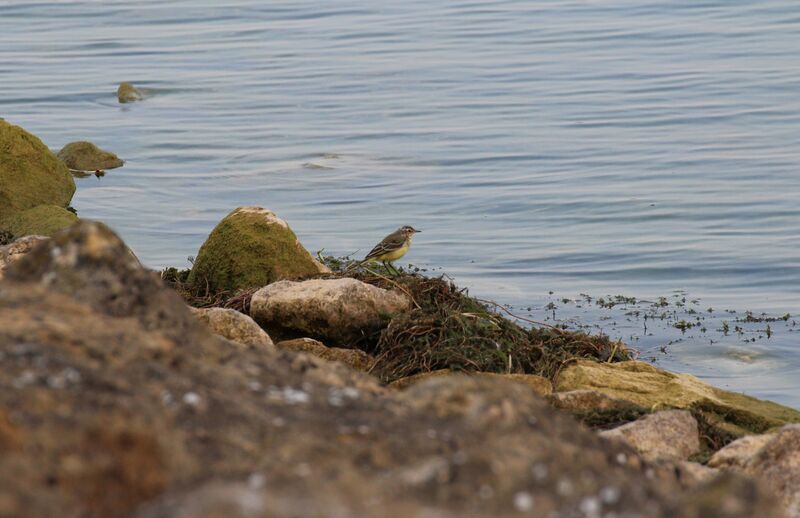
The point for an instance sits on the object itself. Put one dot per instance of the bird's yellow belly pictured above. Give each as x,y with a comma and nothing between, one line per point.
393,255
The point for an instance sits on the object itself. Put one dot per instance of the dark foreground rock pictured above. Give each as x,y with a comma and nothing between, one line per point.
116,401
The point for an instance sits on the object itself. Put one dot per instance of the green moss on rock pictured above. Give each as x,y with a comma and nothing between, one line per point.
127,93
30,174
650,387
43,220
250,247
85,156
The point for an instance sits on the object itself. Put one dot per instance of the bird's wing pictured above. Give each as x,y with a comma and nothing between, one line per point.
391,242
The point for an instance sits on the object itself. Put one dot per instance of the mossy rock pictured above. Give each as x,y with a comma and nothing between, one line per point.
85,156
30,174
250,247
651,387
44,220
127,93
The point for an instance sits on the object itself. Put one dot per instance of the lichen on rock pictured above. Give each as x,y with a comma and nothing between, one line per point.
42,220
651,387
85,156
250,247
30,174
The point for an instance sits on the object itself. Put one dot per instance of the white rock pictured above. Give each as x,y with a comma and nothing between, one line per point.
338,311
666,435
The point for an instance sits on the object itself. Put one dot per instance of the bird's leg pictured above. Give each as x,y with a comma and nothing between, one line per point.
395,270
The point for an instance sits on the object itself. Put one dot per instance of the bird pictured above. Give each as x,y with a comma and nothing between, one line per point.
392,247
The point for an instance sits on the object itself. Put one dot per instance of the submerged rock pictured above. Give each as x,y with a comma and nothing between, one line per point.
665,435
234,326
353,358
16,250
30,174
127,93
43,220
250,247
85,156
651,387
336,311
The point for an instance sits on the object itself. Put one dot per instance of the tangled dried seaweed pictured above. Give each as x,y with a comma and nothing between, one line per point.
445,329
448,329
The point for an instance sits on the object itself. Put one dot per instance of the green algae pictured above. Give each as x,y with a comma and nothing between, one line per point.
42,220
30,174
85,156
250,247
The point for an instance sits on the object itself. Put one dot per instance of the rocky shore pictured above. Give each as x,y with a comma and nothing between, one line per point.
263,383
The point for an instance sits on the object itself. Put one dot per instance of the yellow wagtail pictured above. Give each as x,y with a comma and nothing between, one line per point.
392,247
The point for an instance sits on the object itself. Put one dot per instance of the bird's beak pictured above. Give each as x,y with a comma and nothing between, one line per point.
417,231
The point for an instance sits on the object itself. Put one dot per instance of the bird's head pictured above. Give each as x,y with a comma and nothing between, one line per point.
408,231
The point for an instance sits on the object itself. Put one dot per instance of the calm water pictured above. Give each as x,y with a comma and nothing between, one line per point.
604,147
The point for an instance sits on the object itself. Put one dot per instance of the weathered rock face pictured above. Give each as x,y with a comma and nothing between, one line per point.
665,435
43,220
649,387
85,156
89,262
736,454
127,93
777,464
588,400
234,326
15,251
336,311
353,358
30,174
251,247
106,411
538,384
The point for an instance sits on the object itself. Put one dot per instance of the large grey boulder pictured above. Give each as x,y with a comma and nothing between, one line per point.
336,311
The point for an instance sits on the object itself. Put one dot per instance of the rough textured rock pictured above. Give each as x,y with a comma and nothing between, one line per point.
30,174
588,400
736,454
85,156
89,262
777,465
336,311
650,387
251,247
127,93
353,358
234,326
538,384
692,474
727,496
44,220
665,435
15,251
105,410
